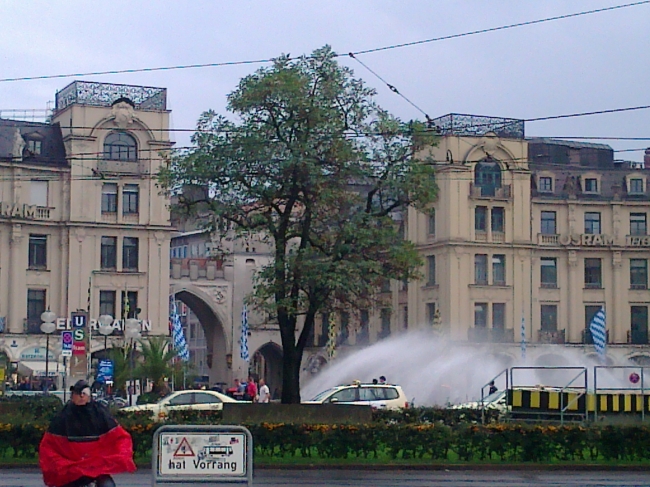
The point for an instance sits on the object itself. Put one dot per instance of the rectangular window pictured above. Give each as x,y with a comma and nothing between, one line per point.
432,222
548,271
480,269
480,219
498,218
431,314
363,336
639,273
549,317
385,322
636,186
639,325
34,146
36,305
385,286
38,193
480,315
590,312
638,224
130,254
324,330
130,304
592,222
109,253
38,251
548,223
499,270
545,184
109,198
499,316
431,270
593,273
130,199
107,303
591,185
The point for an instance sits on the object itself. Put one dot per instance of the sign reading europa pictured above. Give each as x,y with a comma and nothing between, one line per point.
601,240
12,210
66,324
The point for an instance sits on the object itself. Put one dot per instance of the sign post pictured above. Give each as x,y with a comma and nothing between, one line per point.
79,361
198,454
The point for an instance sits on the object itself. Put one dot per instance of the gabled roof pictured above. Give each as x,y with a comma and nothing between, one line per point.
52,148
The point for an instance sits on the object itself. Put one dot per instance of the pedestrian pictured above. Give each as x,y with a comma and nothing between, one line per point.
493,388
251,389
84,444
264,394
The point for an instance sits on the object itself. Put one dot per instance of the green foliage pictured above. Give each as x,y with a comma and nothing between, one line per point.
121,367
156,362
29,407
316,168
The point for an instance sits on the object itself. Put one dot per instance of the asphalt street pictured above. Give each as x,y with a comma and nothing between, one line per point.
385,478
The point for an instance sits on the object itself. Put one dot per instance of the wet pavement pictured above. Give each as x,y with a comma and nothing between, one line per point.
384,478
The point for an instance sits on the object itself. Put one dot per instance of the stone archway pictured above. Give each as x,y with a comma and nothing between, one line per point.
267,364
212,322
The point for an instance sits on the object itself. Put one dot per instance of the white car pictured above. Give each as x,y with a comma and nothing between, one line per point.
190,400
378,396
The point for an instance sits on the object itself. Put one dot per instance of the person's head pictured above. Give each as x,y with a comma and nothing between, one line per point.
375,381
262,382
250,379
80,393
491,383
382,379
236,381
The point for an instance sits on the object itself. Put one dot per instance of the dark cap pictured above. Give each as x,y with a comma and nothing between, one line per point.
80,387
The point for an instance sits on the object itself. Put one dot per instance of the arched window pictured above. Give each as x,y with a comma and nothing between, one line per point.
120,146
487,176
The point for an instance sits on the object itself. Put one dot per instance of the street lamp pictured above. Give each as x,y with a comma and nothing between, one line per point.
47,327
106,328
132,332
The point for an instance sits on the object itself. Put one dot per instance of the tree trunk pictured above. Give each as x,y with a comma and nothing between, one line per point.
291,376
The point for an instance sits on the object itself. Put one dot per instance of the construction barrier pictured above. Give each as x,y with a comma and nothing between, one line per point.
555,401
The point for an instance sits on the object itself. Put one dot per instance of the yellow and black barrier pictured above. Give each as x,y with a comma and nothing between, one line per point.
555,401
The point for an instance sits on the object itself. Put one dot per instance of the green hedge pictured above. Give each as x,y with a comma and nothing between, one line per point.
432,441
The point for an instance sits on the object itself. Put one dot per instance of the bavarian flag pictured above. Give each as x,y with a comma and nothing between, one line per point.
84,441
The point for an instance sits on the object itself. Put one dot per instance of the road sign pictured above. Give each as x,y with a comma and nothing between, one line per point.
66,344
79,319
634,378
194,454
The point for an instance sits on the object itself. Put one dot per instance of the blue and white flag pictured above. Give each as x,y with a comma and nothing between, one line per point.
598,332
523,337
178,337
243,342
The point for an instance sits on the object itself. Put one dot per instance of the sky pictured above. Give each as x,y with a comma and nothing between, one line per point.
588,63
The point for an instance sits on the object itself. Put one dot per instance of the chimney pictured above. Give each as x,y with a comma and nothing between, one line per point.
646,158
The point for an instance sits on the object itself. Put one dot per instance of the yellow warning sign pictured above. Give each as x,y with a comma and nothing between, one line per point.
184,449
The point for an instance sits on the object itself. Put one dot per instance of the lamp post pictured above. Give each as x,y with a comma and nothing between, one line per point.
132,332
47,327
105,328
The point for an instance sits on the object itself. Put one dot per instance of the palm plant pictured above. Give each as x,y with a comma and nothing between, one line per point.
156,363
121,372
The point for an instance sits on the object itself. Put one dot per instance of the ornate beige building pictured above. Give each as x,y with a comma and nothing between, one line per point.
535,230
82,223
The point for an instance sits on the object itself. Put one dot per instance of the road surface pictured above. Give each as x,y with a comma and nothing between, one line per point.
386,478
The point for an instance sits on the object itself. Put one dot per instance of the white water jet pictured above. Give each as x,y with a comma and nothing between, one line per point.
435,371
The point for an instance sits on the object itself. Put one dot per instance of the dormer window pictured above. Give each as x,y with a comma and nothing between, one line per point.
545,184
120,146
591,185
636,186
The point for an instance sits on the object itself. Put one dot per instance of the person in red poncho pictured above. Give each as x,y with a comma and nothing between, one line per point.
84,444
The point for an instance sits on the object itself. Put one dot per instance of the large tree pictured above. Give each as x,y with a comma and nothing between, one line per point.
309,160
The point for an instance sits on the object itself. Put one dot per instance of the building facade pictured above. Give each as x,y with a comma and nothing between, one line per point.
82,224
532,234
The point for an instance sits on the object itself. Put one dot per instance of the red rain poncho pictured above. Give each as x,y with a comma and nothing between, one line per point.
84,441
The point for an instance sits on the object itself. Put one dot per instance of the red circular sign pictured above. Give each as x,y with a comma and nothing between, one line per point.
634,378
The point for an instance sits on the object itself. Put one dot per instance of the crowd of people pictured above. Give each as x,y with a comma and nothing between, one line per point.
249,390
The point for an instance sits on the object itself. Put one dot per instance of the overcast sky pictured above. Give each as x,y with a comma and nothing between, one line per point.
594,62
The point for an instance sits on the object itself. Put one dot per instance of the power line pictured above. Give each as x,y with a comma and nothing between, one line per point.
503,27
365,51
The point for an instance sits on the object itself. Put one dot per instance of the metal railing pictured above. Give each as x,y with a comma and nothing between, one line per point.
641,381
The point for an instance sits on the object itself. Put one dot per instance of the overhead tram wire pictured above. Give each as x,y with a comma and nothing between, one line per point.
365,51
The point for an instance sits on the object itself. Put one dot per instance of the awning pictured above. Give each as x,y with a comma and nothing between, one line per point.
37,369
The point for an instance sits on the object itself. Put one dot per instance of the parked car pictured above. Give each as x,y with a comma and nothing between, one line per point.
379,396
191,400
